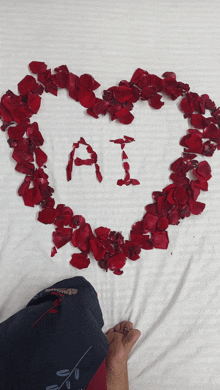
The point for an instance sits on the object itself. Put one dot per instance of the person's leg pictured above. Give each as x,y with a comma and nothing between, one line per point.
121,340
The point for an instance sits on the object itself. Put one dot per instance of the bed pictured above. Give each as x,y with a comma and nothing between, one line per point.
171,295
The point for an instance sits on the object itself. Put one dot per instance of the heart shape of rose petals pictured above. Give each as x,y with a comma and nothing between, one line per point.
175,202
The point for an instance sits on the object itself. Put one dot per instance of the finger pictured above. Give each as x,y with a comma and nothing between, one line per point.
117,327
128,325
110,330
122,326
132,337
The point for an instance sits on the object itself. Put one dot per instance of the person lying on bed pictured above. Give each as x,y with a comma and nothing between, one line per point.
56,342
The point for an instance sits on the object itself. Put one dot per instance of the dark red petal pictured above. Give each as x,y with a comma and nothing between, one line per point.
11,101
53,251
122,94
77,220
186,107
97,248
64,215
173,217
34,134
51,87
100,107
37,67
62,68
80,261
169,75
61,236
124,116
16,132
180,195
148,92
102,233
126,166
73,82
26,85
98,173
86,98
120,182
203,170
5,114
160,240
26,168
34,102
124,155
198,121
211,132
22,157
131,250
41,157
32,196
155,102
117,261
150,222
61,79
194,142
162,223
137,75
81,237
47,216
196,207
135,182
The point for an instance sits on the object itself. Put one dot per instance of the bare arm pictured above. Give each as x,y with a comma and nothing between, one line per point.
117,378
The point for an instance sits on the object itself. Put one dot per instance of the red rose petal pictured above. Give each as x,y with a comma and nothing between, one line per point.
53,251
86,98
37,67
47,216
122,94
32,196
196,207
41,157
102,233
194,142
162,223
131,250
204,170
64,215
26,85
169,75
5,114
11,101
16,132
51,87
137,75
117,262
77,220
155,102
34,102
35,135
80,261
150,222
135,182
61,79
160,240
61,236
180,195
97,248
81,237
198,121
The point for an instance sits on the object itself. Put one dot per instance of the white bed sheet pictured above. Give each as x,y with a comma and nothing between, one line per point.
171,295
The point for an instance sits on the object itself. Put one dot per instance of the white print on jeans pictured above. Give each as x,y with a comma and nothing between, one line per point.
67,373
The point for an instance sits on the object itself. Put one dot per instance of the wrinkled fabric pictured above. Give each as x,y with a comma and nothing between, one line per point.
55,340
